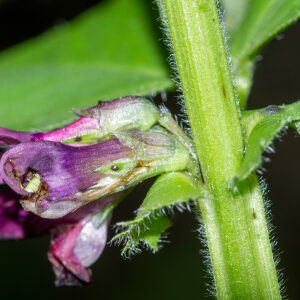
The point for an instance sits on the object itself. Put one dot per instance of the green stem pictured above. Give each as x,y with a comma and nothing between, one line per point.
235,225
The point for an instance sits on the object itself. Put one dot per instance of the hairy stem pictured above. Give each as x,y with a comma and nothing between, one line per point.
235,224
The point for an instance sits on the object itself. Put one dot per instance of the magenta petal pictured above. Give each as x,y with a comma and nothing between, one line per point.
97,121
66,265
74,248
119,114
11,137
82,125
77,240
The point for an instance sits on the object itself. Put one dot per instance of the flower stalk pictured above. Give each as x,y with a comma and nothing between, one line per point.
235,224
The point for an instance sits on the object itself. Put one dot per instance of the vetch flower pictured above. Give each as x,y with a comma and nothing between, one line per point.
50,174
68,180
56,179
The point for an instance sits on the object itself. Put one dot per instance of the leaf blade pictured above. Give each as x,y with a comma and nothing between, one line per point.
261,127
235,12
264,20
169,190
98,55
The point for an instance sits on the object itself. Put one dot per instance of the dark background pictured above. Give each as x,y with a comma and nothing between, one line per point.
177,271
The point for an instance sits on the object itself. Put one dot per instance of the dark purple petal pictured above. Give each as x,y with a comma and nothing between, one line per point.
9,229
60,173
11,137
12,215
76,247
8,141
16,223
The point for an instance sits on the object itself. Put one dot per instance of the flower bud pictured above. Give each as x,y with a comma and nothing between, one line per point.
94,124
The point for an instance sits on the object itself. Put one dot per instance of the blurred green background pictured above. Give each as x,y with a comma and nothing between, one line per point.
178,270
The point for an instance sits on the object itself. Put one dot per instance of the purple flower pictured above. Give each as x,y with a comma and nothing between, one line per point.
95,124
56,179
77,240
68,177
29,162
53,177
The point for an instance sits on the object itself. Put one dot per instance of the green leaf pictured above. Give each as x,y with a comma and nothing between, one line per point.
169,190
296,126
234,12
107,52
146,233
264,20
261,127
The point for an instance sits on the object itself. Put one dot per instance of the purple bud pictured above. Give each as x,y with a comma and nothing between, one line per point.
94,124
125,113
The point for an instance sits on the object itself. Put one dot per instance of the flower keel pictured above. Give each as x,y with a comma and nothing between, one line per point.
75,248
